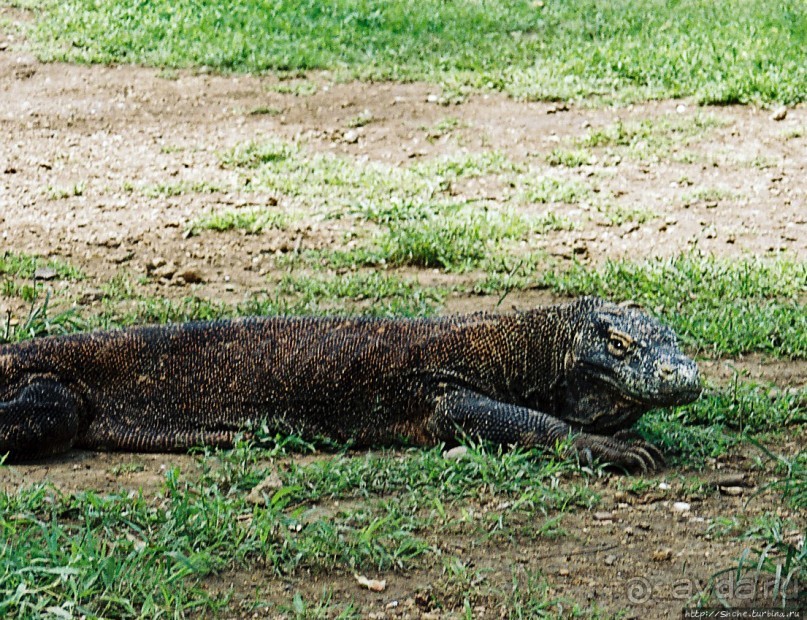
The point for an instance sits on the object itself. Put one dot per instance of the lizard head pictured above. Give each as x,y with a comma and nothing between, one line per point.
622,364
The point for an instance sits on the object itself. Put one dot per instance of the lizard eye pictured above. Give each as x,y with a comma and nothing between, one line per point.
618,345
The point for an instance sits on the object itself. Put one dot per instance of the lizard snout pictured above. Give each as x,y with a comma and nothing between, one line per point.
681,376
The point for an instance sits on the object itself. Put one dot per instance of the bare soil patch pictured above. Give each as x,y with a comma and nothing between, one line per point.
92,130
75,136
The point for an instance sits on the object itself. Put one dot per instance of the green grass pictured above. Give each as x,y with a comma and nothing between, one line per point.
708,195
24,291
324,608
570,158
319,293
445,237
652,137
62,192
179,188
253,221
41,322
547,189
615,214
123,555
360,120
368,293
720,52
265,111
792,481
464,586
454,242
343,184
254,154
721,419
416,219
17,276
776,557
444,127
659,138
296,87
465,166
484,473
294,296
718,307
20,265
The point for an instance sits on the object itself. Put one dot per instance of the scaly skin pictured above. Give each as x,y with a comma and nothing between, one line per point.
530,378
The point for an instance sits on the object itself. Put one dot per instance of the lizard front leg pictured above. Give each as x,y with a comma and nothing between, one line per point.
43,418
503,423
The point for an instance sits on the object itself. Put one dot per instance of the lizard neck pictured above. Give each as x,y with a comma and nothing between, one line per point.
541,344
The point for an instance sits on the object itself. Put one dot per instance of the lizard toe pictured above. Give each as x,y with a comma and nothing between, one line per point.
585,457
628,434
649,452
647,464
657,454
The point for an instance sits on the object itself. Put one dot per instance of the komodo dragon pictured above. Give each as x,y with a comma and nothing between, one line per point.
529,379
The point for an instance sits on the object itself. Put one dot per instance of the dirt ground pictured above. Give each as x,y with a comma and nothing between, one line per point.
98,128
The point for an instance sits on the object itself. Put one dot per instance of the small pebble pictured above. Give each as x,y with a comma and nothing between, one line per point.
455,454
779,114
45,273
681,507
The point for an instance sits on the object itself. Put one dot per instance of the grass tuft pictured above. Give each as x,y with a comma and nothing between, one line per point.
252,221
19,265
372,293
453,242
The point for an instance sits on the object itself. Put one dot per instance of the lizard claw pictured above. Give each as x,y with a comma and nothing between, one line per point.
638,443
628,434
585,457
635,455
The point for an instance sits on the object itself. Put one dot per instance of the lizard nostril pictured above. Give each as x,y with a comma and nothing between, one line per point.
666,370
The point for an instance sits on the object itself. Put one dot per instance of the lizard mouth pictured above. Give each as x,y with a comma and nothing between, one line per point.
661,397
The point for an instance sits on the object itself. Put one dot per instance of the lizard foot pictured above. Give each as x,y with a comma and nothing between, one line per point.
43,418
626,451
